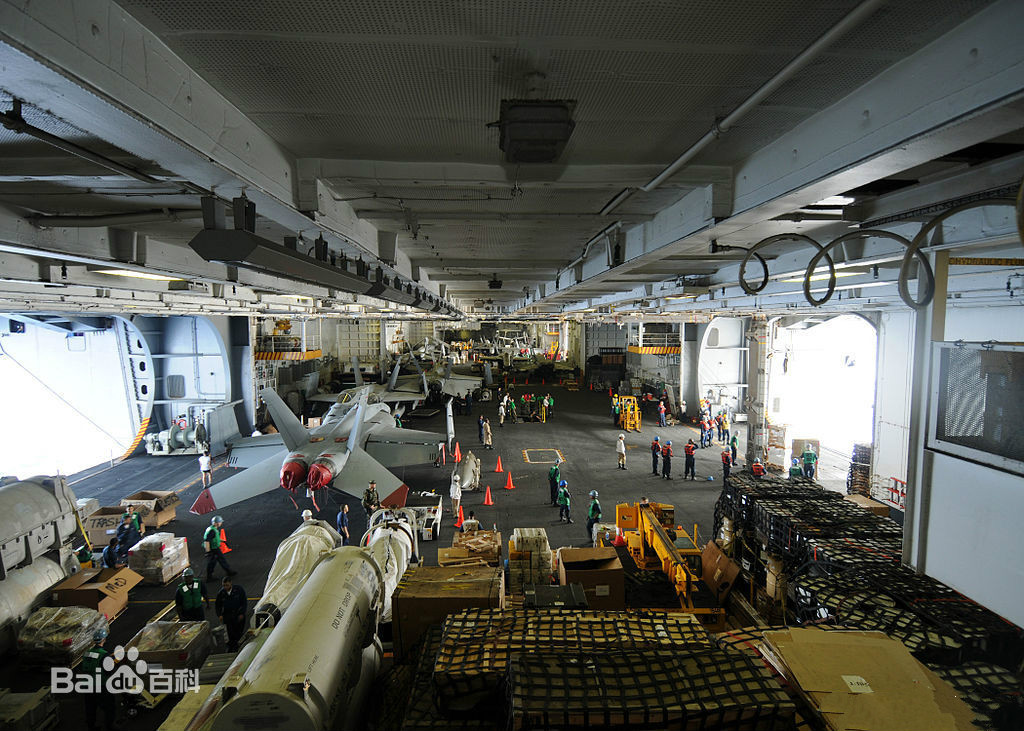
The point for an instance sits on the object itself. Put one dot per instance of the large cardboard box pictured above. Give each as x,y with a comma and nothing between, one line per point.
600,572
868,504
157,507
105,590
86,506
428,594
101,526
174,645
865,681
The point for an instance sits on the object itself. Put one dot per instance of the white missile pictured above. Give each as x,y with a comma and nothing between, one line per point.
296,556
317,665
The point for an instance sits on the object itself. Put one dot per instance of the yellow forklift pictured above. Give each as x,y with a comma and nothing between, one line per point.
655,543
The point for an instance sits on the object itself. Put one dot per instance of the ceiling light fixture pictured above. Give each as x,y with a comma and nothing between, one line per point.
133,274
823,275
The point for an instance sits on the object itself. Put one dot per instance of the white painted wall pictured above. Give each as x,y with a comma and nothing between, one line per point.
720,363
892,400
89,422
974,537
978,324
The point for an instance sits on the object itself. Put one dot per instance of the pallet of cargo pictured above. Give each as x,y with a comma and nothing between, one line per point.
693,688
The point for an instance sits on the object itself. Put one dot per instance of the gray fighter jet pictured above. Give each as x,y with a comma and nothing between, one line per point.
356,443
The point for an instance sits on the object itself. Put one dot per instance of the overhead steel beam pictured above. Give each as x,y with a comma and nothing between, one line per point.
462,263
364,174
425,217
122,84
518,276
962,89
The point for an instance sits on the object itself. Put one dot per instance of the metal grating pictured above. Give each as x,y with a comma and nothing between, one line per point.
980,401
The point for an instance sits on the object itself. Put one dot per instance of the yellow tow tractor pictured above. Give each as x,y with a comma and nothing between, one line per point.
655,543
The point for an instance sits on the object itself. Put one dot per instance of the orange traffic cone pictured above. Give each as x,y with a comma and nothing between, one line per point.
487,497
457,455
591,385
499,468
458,523
508,483
618,541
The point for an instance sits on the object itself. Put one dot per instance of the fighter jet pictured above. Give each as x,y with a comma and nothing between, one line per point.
356,443
399,389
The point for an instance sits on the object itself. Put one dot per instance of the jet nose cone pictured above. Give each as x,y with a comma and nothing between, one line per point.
292,475
319,476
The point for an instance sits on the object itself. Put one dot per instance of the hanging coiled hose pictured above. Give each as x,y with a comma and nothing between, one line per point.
926,277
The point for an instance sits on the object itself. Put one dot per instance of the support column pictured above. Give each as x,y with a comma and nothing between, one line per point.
929,327
757,387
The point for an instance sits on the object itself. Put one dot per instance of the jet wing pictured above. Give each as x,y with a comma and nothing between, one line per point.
248,451
456,385
360,468
394,447
260,478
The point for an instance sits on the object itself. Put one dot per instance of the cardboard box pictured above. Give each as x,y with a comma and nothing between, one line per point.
865,681
868,504
428,594
161,644
485,544
86,506
719,572
459,557
600,572
159,557
157,507
105,590
101,526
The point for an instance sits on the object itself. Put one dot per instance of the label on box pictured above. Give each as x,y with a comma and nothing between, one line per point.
857,684
602,590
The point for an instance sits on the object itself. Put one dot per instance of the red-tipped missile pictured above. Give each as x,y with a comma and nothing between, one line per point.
293,472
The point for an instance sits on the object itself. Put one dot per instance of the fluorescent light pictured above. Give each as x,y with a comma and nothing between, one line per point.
820,277
680,296
835,200
134,274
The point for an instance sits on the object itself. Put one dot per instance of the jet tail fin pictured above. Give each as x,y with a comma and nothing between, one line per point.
312,381
293,433
488,376
393,381
356,372
450,423
360,468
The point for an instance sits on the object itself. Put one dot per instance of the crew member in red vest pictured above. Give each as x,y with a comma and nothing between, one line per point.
691,462
655,451
726,463
666,460
757,468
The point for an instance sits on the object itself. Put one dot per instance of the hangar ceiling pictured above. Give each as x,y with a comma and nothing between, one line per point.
367,124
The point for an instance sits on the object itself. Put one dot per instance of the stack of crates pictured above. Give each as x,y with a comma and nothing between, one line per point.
529,559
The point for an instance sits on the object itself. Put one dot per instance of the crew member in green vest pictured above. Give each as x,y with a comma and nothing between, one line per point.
190,596
97,699
795,469
212,540
554,476
810,460
593,516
